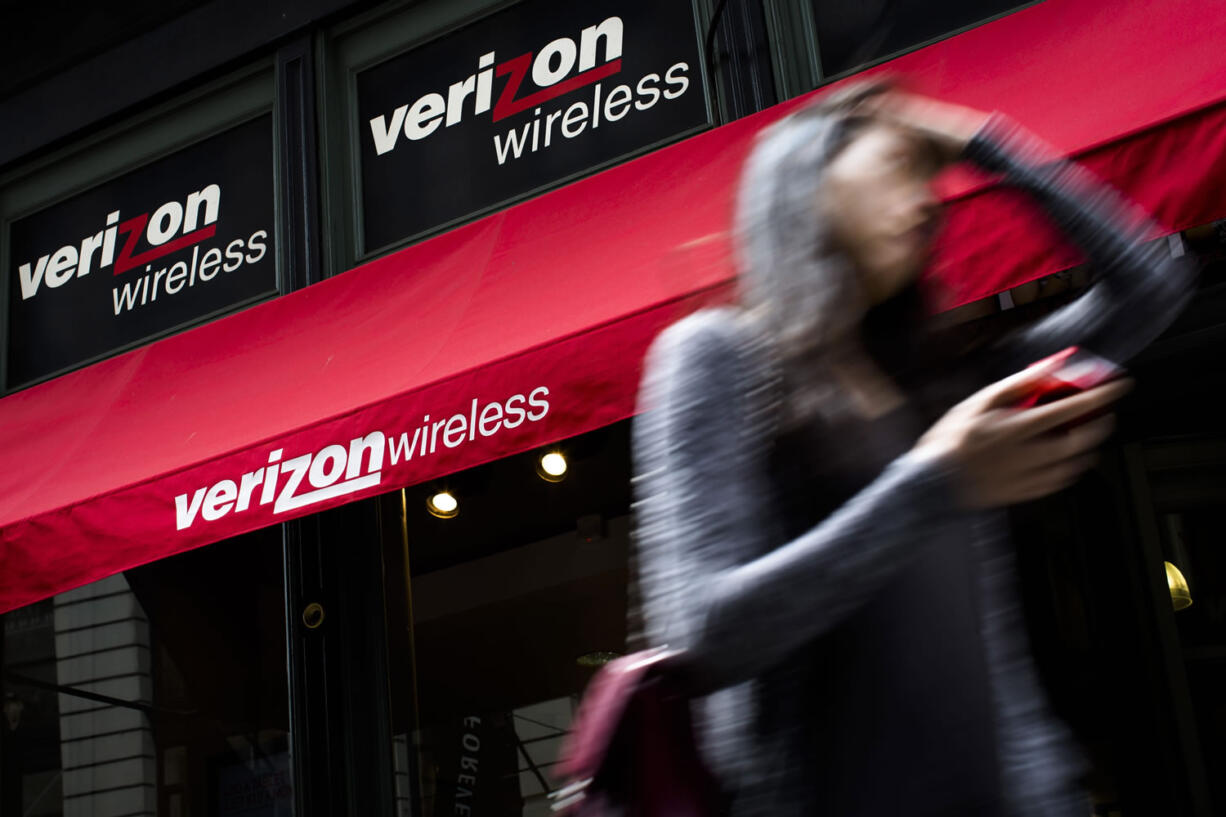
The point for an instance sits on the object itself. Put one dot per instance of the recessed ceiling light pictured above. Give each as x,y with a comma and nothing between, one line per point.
552,466
443,505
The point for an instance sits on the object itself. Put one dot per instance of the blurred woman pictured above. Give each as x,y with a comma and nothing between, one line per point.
817,527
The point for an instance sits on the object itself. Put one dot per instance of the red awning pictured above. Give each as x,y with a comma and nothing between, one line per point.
529,326
1133,90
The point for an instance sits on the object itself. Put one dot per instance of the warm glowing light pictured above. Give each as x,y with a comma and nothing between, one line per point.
552,466
443,505
1181,596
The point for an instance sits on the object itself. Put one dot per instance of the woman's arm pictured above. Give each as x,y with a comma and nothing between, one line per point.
714,576
713,580
1140,288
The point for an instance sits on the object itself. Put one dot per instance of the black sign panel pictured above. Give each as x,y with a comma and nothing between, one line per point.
531,95
178,240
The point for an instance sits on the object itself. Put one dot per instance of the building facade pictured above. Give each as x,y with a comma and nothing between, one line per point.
296,298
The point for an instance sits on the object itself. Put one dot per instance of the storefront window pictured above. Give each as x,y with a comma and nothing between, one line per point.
1122,573
853,34
528,96
514,603
127,240
1191,527
1178,475
161,690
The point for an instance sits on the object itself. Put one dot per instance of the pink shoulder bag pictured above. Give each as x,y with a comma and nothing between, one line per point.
631,751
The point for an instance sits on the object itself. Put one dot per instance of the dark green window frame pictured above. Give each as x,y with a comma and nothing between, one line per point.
138,140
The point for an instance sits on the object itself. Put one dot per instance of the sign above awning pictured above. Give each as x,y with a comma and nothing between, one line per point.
529,325
517,101
161,247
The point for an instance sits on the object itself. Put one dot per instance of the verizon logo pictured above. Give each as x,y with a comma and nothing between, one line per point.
530,82
341,469
334,470
558,68
143,240
171,227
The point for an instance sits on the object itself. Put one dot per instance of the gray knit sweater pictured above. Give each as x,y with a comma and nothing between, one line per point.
852,634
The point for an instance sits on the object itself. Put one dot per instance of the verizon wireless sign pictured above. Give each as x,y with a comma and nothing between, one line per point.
532,95
176,241
339,469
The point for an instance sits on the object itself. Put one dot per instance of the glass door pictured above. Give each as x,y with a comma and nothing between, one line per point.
508,591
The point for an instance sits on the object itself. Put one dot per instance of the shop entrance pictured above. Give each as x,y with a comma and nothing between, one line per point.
499,616
159,690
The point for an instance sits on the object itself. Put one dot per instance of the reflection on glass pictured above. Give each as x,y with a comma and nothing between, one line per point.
158,691
495,762
504,601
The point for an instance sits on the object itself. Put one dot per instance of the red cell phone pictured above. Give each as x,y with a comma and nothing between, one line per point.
1079,370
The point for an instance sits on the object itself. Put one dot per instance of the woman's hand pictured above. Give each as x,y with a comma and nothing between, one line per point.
944,124
1004,454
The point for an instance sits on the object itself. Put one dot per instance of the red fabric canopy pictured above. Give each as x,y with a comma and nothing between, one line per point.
530,325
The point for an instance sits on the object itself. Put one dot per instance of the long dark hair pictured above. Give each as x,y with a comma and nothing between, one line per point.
796,285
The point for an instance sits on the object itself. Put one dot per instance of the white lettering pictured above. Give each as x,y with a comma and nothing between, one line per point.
210,197
175,277
63,266
514,144
165,223
550,64
248,483
424,116
682,80
647,87
108,241
619,97
456,425
534,400
485,83
30,281
327,466
543,72
611,30
270,477
371,443
297,468
384,134
89,245
401,448
513,409
169,220
339,469
576,114
455,99
186,514
219,500
211,258
491,413
131,291
256,246
234,258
